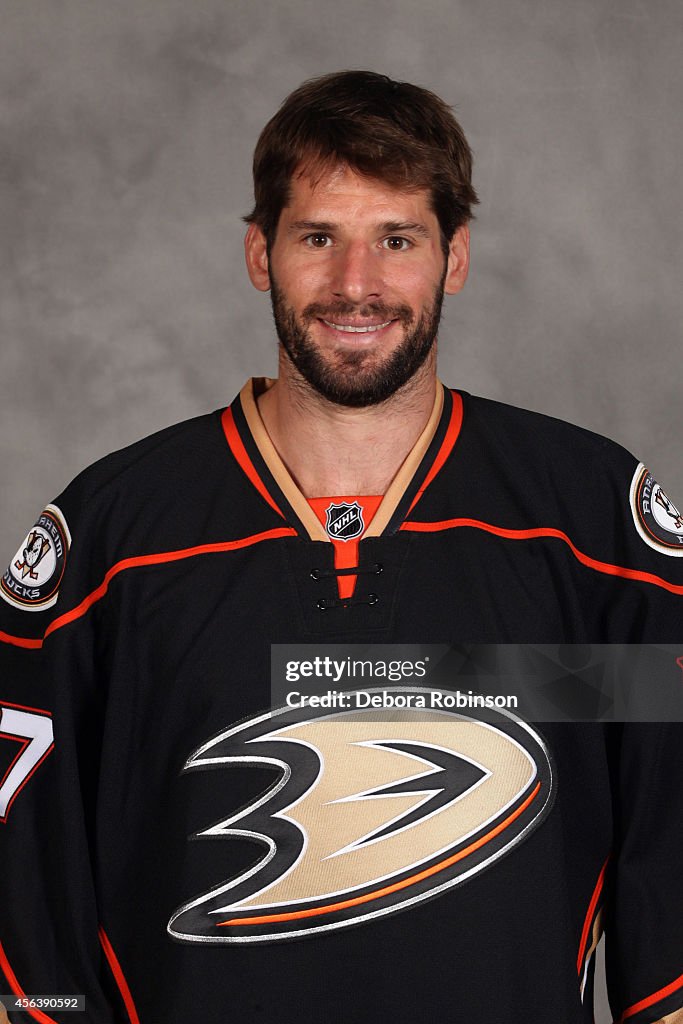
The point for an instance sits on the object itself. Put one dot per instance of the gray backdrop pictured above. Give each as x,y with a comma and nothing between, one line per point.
125,146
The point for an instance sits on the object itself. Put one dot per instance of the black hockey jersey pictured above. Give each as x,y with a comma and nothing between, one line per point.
176,849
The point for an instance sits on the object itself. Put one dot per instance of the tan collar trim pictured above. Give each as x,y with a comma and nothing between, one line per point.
297,500
672,1018
279,471
408,469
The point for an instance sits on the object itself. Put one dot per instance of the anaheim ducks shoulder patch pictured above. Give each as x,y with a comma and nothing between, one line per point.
32,579
657,519
369,815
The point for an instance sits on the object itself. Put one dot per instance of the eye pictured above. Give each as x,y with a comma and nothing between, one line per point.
318,240
396,243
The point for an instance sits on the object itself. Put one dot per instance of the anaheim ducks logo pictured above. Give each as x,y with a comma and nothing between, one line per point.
33,576
367,817
657,519
37,546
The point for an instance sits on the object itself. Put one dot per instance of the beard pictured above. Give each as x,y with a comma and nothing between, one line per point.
356,378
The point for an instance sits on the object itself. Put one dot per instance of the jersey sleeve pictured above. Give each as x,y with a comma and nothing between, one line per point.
50,727
644,927
649,543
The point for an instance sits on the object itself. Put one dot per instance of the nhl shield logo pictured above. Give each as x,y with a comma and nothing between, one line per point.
344,521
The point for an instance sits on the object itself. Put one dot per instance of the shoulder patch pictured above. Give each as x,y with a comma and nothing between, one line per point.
32,579
657,519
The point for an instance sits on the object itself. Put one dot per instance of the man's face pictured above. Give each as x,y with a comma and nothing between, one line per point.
357,276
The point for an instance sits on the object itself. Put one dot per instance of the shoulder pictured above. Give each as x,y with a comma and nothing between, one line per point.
553,473
557,468
538,439
136,496
158,460
153,496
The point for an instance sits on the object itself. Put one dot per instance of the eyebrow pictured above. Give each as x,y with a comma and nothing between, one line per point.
389,227
312,225
399,227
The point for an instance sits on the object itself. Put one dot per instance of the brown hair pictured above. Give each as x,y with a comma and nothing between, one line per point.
394,132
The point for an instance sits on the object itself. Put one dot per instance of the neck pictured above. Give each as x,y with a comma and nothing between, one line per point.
331,449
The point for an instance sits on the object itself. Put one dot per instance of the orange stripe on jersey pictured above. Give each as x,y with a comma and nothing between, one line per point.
661,993
389,889
548,531
240,452
18,990
140,561
452,433
119,976
20,641
26,707
590,914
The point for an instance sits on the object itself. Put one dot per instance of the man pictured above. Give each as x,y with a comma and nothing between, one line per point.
352,866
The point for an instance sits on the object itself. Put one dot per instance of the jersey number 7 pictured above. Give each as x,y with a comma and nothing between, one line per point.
32,729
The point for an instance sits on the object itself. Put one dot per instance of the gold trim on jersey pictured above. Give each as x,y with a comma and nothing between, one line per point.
294,496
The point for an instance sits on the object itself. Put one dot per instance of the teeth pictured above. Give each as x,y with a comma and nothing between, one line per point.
348,329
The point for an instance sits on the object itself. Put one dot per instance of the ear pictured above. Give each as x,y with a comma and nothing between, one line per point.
256,255
458,260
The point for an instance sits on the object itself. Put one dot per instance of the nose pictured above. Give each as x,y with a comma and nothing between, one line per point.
357,274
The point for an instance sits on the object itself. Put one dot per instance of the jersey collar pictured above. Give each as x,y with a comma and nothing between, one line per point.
254,451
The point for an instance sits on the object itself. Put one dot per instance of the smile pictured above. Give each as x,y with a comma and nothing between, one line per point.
349,329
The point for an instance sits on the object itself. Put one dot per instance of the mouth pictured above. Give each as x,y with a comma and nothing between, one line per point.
357,328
